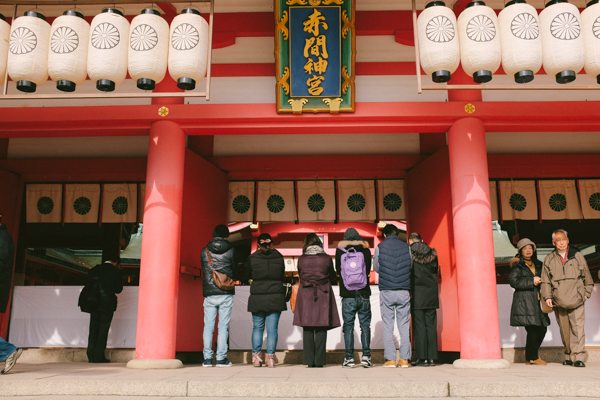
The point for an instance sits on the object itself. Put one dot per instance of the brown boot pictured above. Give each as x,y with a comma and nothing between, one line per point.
539,361
256,360
270,360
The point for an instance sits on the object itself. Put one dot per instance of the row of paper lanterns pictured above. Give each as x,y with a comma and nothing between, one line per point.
561,39
71,49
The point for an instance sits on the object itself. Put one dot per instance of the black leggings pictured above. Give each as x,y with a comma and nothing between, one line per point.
535,337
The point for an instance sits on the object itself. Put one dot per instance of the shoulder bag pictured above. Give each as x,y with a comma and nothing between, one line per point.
222,281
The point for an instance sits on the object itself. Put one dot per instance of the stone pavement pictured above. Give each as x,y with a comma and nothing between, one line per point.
85,380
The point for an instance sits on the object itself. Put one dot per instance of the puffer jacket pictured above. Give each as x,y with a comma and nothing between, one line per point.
363,247
525,310
566,284
224,261
424,277
394,264
267,272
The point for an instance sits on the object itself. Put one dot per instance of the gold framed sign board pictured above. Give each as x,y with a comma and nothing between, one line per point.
315,55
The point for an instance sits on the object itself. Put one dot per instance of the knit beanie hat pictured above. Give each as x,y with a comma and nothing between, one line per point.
264,238
524,242
221,231
352,234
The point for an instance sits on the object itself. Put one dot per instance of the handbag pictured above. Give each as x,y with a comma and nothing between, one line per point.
222,281
294,296
545,308
288,291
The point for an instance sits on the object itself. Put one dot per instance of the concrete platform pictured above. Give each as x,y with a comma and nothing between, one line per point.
296,381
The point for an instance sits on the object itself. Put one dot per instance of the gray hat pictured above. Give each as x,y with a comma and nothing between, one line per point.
524,242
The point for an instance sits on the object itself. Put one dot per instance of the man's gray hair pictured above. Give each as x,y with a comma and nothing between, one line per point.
560,230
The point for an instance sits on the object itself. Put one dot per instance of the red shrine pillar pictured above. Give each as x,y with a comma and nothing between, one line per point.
159,271
474,247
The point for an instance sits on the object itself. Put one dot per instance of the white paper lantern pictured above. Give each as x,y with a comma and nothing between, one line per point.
188,49
28,51
480,47
67,59
4,38
562,42
521,41
148,49
590,25
107,51
438,41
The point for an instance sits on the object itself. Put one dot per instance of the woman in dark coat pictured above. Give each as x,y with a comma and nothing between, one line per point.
267,297
316,310
525,278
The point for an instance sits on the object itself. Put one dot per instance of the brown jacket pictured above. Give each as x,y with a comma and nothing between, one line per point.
566,284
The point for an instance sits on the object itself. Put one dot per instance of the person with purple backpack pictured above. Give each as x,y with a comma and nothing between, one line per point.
353,265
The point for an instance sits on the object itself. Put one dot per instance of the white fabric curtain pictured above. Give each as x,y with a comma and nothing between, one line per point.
356,200
241,201
518,200
119,202
391,200
82,202
276,201
559,200
44,203
316,201
589,190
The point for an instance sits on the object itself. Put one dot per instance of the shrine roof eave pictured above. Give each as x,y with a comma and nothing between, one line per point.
226,119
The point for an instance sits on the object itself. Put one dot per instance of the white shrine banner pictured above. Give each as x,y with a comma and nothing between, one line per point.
119,202
559,200
44,203
241,202
276,201
391,200
141,202
316,201
356,201
518,200
589,190
82,202
494,200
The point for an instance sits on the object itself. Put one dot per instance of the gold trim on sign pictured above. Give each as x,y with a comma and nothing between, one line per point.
328,2
348,24
292,2
281,26
297,105
315,3
282,81
334,104
348,79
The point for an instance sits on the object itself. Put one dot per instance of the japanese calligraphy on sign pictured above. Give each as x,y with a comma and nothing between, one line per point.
315,47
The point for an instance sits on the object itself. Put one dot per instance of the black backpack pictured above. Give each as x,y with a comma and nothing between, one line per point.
89,298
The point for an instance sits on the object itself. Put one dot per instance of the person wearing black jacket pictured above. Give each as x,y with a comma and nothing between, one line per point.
355,301
266,268
525,278
425,300
110,283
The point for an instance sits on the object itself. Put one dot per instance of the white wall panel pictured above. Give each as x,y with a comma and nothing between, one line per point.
239,90
377,88
79,147
382,48
542,95
542,142
312,145
246,50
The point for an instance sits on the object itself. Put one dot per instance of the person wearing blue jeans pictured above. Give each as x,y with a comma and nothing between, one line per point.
259,321
9,353
218,255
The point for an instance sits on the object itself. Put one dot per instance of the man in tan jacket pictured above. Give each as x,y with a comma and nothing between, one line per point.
566,286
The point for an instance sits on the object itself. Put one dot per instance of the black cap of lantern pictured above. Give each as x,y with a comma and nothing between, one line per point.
112,10
73,13
510,3
591,3
105,85
34,14
190,11
150,11
482,76
26,86
524,76
66,86
2,17
146,84
441,76
566,76
186,83
598,79
435,4
475,3
548,4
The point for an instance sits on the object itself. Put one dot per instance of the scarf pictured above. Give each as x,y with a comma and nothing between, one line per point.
314,249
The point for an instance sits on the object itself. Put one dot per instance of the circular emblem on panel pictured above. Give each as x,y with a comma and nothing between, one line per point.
558,202
184,37
120,205
105,36
440,29
392,202
481,29
64,40
22,41
240,204
143,38
517,202
525,26
565,26
316,203
45,205
356,202
82,205
275,203
594,201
